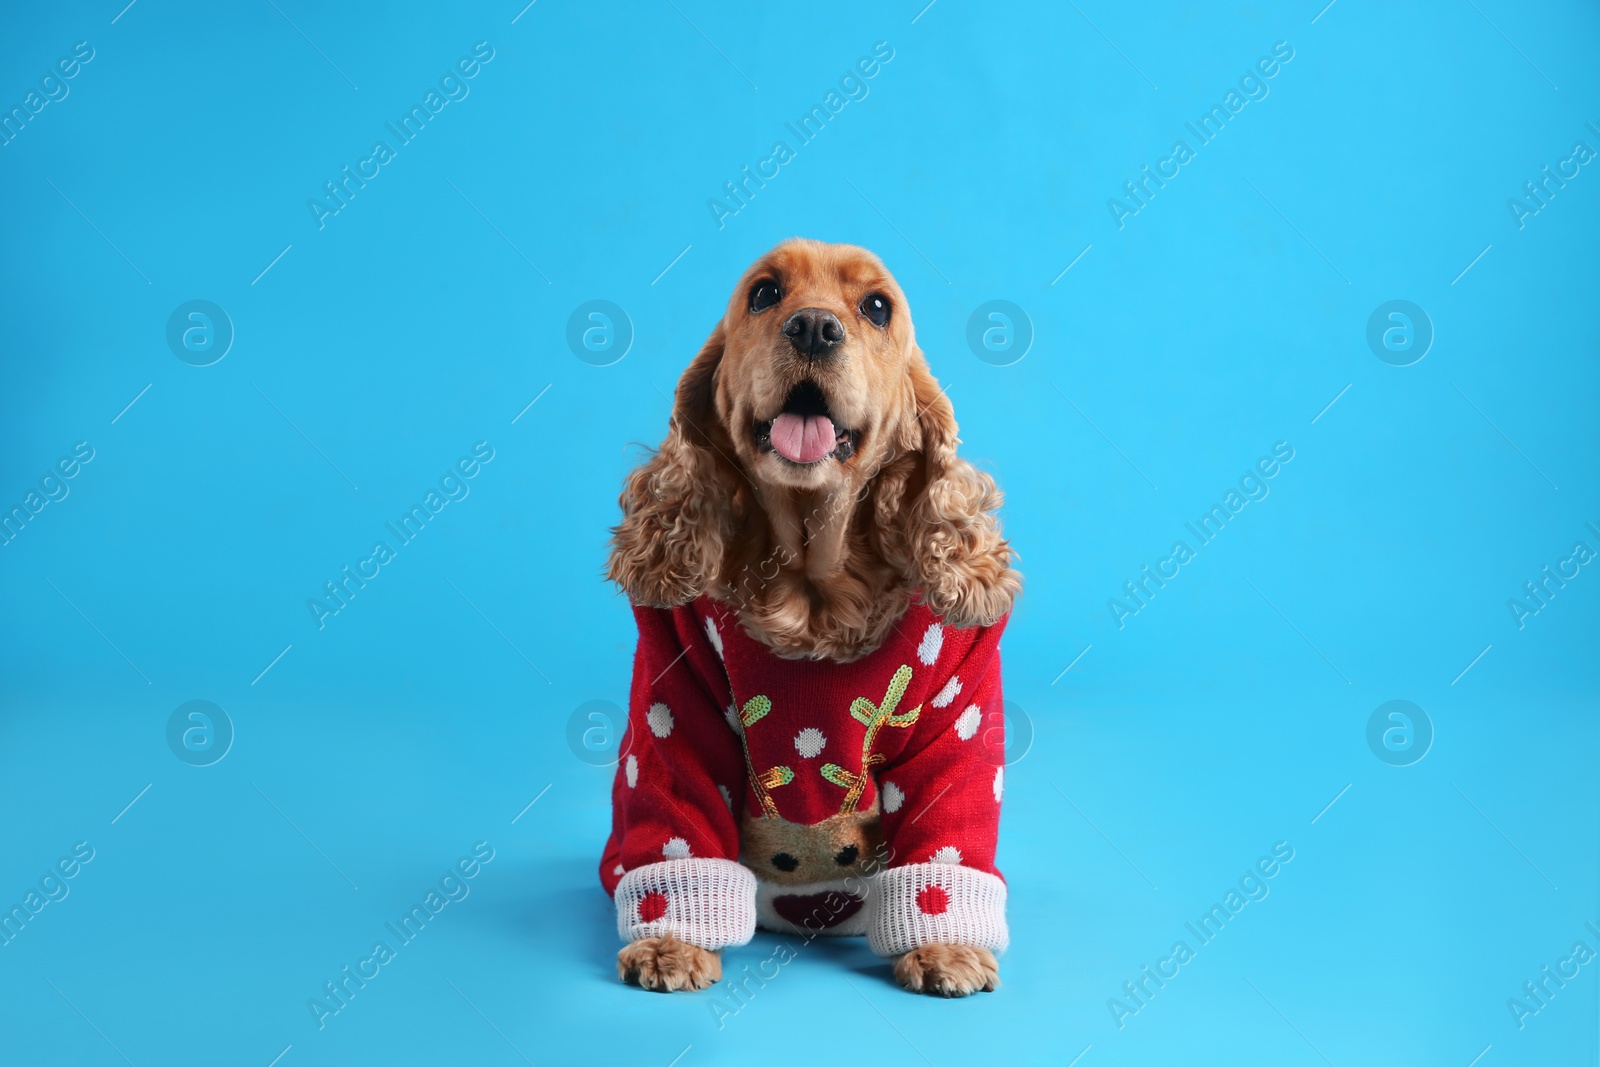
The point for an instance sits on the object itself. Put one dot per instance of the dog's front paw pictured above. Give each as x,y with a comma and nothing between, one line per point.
666,964
948,970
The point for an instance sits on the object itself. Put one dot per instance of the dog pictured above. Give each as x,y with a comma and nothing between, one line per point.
815,740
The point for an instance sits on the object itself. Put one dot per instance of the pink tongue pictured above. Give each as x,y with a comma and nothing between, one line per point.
803,438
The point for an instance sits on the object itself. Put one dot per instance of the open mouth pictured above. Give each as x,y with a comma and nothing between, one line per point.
803,432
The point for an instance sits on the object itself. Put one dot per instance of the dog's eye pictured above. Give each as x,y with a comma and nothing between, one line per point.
846,856
764,294
875,306
785,862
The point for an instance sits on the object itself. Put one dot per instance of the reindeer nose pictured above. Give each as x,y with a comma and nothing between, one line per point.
813,332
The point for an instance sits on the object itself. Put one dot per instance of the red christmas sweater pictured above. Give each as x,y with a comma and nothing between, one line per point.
809,796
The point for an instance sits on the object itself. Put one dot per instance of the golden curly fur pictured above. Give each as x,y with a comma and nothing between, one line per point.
819,559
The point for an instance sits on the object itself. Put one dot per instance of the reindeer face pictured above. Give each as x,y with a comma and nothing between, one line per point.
790,853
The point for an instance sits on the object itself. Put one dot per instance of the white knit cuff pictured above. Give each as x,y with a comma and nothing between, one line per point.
936,903
706,902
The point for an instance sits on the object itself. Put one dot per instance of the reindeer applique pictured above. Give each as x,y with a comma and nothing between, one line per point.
753,711
873,717
804,860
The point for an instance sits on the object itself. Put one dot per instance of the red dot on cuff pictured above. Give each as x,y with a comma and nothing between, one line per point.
653,905
932,899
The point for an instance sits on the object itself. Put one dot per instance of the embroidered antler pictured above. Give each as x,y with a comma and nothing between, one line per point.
754,710
872,716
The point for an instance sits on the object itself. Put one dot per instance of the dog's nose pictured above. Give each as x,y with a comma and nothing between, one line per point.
815,333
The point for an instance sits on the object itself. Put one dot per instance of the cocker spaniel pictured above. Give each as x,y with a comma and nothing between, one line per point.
815,741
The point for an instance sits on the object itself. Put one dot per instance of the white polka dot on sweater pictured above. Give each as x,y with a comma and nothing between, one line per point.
660,719
932,642
727,798
619,870
967,723
951,690
712,635
678,849
949,854
631,769
809,742
731,714
999,783
893,797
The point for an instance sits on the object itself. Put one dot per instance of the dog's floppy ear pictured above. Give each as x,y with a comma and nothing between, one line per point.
935,514
677,509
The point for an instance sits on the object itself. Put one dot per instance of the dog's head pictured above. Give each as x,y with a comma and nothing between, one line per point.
818,351
810,469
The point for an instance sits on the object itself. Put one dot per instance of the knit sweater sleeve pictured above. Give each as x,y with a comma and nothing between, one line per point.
671,864
941,818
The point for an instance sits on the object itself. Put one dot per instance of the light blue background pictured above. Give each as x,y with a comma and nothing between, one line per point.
425,316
